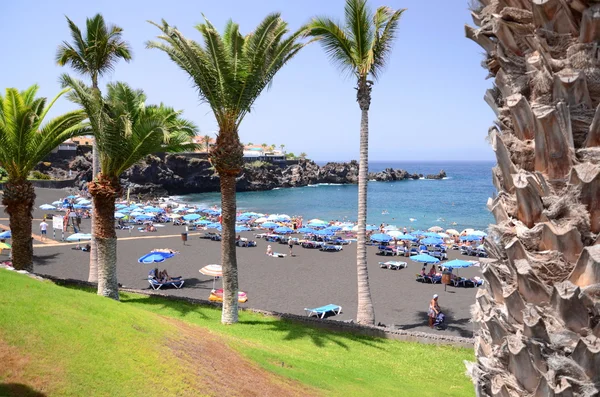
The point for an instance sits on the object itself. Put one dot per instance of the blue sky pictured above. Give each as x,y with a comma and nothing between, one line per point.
427,105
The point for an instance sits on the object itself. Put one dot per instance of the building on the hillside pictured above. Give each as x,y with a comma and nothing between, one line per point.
83,140
257,153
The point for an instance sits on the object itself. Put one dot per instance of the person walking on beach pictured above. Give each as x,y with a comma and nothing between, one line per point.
291,245
434,310
269,250
43,229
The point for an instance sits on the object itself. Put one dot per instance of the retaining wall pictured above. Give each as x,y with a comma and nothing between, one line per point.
51,183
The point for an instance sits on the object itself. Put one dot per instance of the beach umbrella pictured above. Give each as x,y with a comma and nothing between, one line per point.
215,271
418,233
436,229
458,263
270,225
155,257
79,237
136,213
119,215
84,202
317,223
144,217
307,230
283,230
432,241
470,238
192,210
260,220
395,233
5,234
180,209
466,232
372,228
4,246
174,216
47,207
82,206
478,233
424,258
120,206
381,237
239,228
71,197
203,222
334,228
431,234
191,217
57,202
452,232
443,235
324,232
390,228
214,225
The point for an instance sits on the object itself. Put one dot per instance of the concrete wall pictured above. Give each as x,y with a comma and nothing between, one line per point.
51,184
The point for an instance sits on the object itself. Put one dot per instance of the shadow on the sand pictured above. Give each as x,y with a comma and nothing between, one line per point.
319,338
18,390
42,260
451,323
198,284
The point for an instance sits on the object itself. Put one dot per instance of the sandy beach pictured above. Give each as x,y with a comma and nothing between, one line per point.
310,278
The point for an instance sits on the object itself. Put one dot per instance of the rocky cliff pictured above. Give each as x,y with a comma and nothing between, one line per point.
178,174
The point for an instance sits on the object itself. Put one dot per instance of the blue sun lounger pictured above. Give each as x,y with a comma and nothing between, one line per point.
320,312
330,248
176,282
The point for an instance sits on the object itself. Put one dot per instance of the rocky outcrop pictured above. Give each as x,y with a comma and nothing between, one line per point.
170,174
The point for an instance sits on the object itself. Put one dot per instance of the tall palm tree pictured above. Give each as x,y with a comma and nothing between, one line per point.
539,315
264,146
24,141
230,71
93,54
303,155
206,140
362,47
130,131
281,147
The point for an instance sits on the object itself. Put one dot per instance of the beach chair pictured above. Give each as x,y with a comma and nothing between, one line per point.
331,248
465,250
393,265
420,278
414,251
320,312
176,282
385,250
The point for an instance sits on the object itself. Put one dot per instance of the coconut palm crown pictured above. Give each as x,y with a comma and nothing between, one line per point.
131,131
230,71
361,47
25,139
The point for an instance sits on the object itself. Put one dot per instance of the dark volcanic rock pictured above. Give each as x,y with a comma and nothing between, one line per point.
165,174
440,175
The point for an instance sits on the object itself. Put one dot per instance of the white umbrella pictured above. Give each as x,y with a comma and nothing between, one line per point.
467,232
389,228
452,232
436,229
395,233
47,207
284,216
119,215
174,216
212,271
444,235
261,220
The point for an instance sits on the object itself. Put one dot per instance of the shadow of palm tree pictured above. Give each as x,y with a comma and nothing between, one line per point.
458,325
18,390
180,306
319,337
42,260
198,284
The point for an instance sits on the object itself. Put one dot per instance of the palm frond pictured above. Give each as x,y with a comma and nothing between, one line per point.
386,23
360,31
337,45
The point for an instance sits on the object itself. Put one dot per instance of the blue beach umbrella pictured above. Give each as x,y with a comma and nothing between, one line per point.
407,237
307,230
47,207
270,225
458,263
239,228
432,241
191,217
242,219
431,234
136,213
470,238
324,232
82,206
71,197
424,258
283,230
371,227
334,228
84,201
203,222
57,202
317,223
119,215
418,233
479,233
155,257
5,234
79,237
381,237
214,225
144,217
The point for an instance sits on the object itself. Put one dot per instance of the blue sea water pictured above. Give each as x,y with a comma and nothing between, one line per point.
460,198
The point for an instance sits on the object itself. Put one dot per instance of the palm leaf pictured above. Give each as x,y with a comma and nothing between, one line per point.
360,32
386,23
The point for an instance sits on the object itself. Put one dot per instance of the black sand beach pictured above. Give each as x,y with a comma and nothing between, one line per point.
311,278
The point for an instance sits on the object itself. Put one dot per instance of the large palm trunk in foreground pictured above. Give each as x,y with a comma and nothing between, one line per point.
365,311
18,198
104,192
539,313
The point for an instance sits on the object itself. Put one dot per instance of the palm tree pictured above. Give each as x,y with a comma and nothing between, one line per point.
264,146
131,130
361,46
24,141
303,155
230,72
538,318
250,144
93,54
281,147
206,139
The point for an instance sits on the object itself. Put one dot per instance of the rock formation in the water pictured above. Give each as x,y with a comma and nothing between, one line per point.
179,174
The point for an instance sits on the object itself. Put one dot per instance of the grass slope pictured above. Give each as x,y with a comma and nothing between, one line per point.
79,344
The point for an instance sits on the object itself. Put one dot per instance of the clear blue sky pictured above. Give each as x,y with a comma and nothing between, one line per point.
427,106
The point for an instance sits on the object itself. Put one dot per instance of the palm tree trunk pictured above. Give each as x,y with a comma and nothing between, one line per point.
18,198
104,193
93,274
366,312
228,253
539,312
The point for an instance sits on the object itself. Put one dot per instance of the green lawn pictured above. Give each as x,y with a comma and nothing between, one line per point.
103,347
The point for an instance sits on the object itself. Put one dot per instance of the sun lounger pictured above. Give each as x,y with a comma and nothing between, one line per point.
331,248
384,250
311,244
278,255
320,312
392,265
176,282
245,243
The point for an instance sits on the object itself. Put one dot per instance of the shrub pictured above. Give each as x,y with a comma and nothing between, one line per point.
257,164
3,173
47,164
39,175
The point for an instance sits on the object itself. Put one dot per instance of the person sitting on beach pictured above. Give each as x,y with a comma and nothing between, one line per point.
423,271
238,237
431,271
269,250
434,310
86,248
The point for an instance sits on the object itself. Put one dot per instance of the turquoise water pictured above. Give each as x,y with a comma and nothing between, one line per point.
461,198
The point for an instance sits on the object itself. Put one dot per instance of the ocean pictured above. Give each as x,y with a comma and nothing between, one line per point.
458,202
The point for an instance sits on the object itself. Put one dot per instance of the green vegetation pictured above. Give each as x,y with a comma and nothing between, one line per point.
40,176
257,164
3,173
79,344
